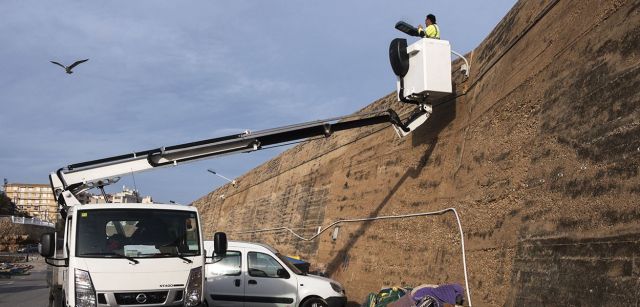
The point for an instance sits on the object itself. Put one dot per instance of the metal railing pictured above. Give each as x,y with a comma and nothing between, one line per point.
30,221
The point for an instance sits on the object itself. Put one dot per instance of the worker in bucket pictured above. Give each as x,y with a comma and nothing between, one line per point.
432,30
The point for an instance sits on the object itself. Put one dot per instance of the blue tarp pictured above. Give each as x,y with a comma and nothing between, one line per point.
300,264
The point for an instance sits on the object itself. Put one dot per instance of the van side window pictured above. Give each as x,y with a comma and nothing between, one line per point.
229,265
263,265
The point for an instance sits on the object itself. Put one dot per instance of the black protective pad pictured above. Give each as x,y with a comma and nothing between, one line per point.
407,28
399,57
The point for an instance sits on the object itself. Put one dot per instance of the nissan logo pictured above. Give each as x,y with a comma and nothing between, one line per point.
141,298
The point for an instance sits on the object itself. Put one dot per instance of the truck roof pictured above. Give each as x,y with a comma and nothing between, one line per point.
135,206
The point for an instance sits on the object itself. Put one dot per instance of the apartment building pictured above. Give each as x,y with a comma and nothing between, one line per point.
127,195
33,199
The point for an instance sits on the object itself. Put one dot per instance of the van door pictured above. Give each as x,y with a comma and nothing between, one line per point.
224,280
268,282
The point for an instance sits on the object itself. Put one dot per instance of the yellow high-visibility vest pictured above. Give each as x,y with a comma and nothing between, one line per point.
433,31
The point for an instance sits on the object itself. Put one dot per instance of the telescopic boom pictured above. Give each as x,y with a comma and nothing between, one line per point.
67,182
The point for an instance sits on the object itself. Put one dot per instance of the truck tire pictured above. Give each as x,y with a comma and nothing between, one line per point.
58,299
55,298
314,302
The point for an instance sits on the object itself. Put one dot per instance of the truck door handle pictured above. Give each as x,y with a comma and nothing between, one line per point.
237,282
252,282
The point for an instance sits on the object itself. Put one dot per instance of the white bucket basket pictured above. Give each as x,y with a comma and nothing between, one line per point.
429,74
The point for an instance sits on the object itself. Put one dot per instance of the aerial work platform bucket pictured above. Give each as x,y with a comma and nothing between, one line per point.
423,69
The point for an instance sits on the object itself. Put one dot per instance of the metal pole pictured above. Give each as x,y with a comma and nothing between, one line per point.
467,66
233,182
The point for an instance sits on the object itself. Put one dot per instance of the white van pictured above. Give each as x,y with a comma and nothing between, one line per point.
253,274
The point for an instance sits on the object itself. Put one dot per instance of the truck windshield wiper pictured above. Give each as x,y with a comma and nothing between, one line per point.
113,254
185,258
179,255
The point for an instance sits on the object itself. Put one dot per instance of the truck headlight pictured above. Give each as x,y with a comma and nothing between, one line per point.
337,287
193,295
85,292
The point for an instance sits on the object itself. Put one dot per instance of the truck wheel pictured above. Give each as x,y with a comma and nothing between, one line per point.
59,299
315,302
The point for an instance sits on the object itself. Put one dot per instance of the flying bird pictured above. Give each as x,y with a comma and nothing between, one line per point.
70,67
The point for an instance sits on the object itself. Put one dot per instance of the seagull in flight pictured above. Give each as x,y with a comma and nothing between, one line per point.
70,67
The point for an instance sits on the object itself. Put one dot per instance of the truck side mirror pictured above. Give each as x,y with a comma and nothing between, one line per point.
219,244
47,245
282,273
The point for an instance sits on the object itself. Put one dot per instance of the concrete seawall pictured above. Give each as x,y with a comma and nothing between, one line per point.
539,150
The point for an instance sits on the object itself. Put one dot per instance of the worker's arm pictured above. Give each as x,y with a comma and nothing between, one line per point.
421,31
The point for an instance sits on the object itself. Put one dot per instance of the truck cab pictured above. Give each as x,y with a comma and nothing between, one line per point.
131,254
254,274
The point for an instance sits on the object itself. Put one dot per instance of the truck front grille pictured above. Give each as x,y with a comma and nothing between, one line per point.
141,298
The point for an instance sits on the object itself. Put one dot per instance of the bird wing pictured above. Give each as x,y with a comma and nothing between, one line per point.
58,64
77,63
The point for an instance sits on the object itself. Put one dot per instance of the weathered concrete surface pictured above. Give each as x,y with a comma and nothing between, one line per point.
539,152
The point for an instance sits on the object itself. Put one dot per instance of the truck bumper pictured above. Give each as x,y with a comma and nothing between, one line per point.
336,301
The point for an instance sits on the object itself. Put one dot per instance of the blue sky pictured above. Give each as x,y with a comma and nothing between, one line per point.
167,72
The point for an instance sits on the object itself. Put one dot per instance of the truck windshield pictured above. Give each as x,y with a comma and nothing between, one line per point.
137,233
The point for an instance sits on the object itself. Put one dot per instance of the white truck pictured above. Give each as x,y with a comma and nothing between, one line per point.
153,254
253,274
130,254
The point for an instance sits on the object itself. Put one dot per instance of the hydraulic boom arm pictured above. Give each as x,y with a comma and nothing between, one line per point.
67,182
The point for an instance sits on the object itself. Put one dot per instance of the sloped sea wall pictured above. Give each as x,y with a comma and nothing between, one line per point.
538,150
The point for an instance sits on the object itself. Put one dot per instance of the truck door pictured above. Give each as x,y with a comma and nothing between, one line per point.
66,278
224,284
268,282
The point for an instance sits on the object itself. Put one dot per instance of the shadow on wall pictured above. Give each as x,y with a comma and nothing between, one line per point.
443,114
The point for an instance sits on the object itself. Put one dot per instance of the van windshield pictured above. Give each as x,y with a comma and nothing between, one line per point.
289,264
137,233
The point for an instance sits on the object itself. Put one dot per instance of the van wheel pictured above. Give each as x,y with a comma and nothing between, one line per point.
315,302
